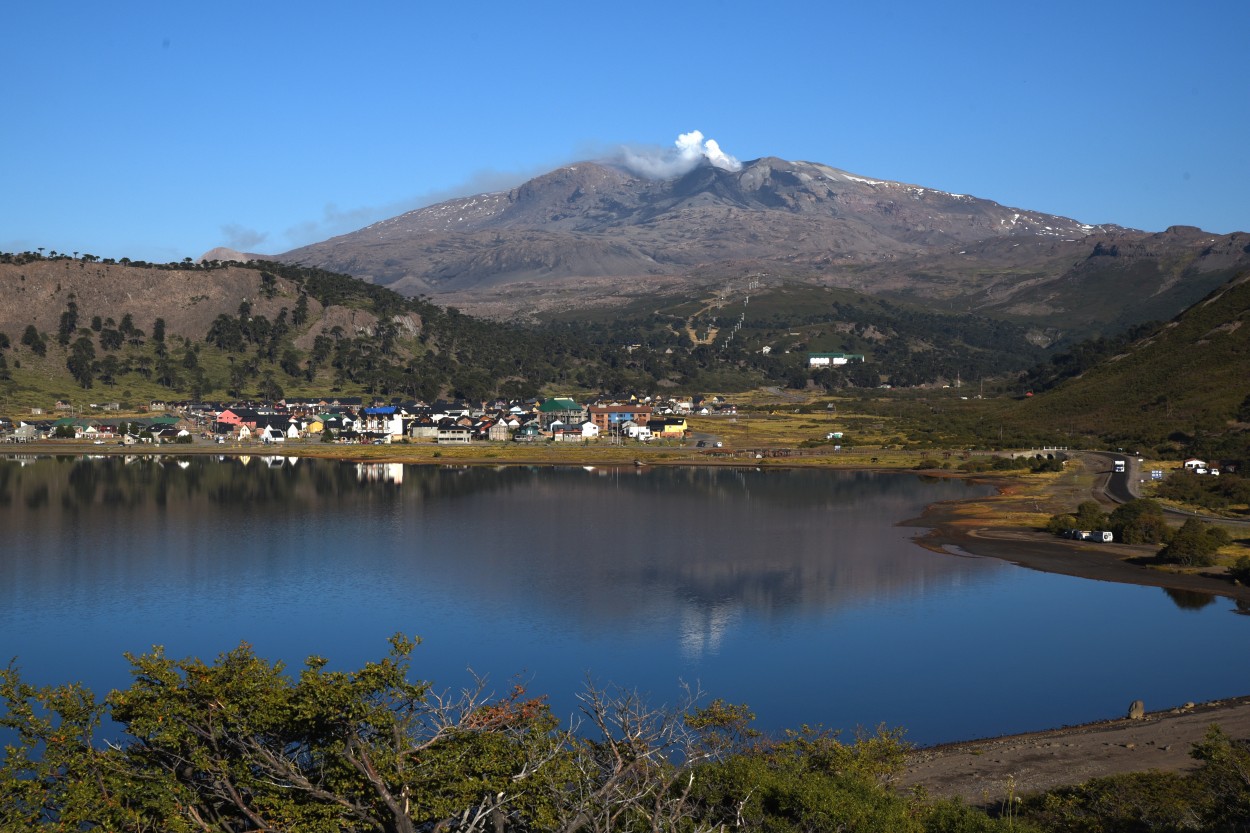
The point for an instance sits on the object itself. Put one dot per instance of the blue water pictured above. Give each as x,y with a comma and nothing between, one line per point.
797,593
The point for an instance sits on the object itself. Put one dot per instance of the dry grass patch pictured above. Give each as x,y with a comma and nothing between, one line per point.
1027,500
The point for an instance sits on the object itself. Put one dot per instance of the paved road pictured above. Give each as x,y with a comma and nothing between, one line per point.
708,440
1121,487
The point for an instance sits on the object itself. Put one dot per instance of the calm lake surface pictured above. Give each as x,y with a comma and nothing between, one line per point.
796,592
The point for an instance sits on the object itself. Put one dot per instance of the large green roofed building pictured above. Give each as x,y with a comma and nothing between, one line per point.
563,409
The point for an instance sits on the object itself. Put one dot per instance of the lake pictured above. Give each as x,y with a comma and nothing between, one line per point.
796,592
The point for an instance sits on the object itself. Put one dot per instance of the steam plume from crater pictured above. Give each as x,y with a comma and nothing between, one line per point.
687,153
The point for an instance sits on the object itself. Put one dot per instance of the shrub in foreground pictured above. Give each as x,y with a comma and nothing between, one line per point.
239,744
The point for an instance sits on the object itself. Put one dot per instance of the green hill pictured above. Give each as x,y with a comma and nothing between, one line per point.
1183,386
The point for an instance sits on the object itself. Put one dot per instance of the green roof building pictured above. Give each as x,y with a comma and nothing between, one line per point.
561,408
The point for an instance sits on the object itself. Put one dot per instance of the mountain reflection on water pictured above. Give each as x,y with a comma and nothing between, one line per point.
598,546
796,592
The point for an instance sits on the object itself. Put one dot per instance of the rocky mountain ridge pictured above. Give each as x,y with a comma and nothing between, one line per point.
595,220
595,234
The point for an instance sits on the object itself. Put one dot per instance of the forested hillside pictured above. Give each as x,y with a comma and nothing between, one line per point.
133,331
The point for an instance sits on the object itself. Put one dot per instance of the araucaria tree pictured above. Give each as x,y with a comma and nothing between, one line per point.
32,339
81,361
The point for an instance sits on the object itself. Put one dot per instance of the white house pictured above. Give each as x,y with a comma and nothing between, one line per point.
830,359
270,434
635,431
454,435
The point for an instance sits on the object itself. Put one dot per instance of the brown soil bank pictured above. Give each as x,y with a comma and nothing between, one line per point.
986,772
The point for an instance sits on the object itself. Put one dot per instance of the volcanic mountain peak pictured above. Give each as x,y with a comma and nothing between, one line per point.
592,233
593,197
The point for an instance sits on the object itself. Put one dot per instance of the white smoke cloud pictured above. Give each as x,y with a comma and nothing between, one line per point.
687,153
242,238
335,221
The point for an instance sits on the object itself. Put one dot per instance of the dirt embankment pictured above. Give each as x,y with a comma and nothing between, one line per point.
987,772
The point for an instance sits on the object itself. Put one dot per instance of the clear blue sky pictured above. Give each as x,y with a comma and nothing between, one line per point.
158,130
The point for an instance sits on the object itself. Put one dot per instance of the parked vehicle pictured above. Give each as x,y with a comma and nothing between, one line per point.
1119,466
1104,535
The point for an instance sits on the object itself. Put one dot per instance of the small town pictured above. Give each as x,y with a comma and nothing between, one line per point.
350,420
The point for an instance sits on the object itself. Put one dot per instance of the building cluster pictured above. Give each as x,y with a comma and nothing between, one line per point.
351,420
833,359
1193,464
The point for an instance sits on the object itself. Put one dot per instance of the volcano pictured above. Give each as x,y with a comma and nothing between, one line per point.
586,233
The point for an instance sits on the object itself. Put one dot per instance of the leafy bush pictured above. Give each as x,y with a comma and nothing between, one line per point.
1225,778
1194,544
1060,523
995,463
1089,515
1215,797
244,743
1139,522
953,816
1156,801
1206,491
